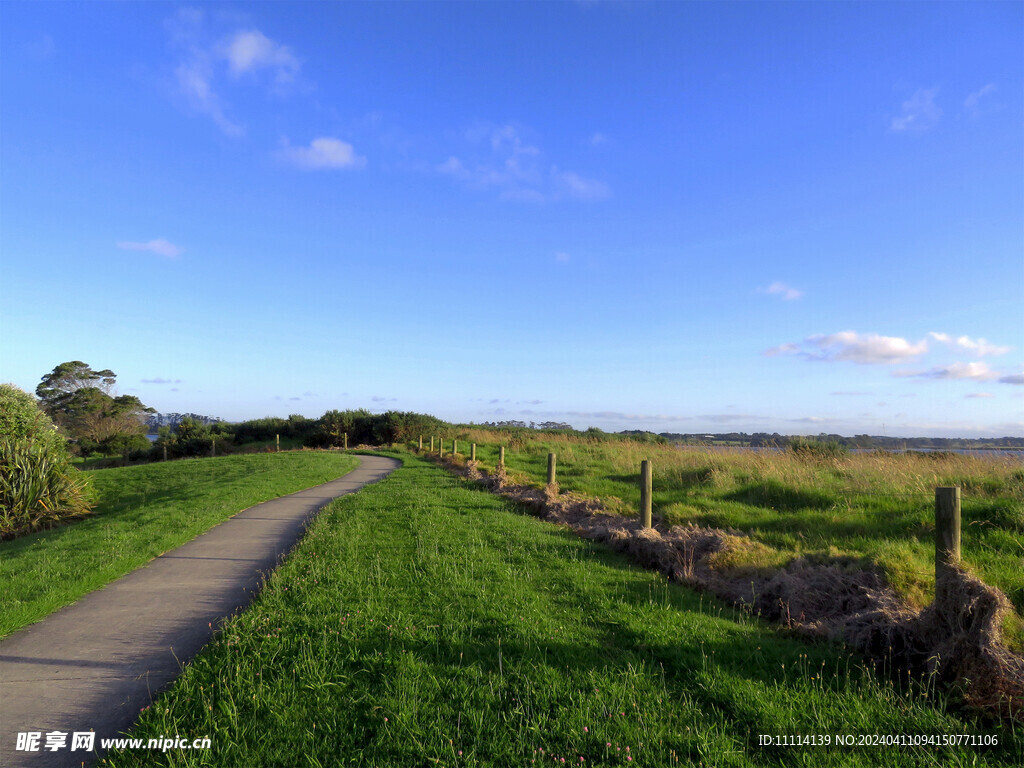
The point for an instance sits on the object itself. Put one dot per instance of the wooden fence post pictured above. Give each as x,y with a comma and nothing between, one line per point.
440,447
472,452
551,469
431,443
346,441
165,453
501,456
277,442
645,493
213,447
947,529
421,444
455,447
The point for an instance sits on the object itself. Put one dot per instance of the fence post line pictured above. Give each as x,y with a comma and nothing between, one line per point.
645,493
501,456
277,443
947,529
551,469
472,452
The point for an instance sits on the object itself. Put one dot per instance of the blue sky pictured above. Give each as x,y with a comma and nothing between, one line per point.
792,217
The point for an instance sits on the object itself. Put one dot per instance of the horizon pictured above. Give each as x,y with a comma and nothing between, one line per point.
691,218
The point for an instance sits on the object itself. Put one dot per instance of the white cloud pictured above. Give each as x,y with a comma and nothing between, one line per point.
159,246
783,349
194,80
788,293
454,167
206,56
976,371
505,162
975,101
918,113
323,153
980,347
980,395
1013,378
865,349
250,50
569,184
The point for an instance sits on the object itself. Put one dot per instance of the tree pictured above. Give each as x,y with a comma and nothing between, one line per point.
68,388
80,400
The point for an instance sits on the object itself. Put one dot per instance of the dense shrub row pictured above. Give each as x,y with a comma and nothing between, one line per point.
260,430
373,428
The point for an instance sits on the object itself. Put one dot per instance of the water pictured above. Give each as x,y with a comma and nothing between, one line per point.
1016,453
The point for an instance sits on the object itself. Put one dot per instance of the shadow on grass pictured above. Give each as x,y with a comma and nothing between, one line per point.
775,495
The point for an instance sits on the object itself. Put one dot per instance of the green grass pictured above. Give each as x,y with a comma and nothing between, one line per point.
878,507
142,512
425,622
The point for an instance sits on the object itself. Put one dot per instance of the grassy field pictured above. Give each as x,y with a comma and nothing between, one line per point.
876,506
142,512
426,622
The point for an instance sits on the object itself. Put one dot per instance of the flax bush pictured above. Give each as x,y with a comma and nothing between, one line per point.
38,485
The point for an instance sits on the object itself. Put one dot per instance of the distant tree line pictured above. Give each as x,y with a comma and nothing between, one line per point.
553,425
157,420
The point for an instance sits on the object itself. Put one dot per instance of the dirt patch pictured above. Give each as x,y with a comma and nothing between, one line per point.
958,638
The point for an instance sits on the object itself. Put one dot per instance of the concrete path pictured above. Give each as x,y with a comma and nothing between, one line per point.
93,665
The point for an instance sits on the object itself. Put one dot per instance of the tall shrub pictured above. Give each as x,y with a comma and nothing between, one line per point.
817,449
38,485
